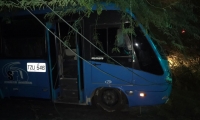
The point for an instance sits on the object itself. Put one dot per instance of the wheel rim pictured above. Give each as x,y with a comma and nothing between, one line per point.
110,97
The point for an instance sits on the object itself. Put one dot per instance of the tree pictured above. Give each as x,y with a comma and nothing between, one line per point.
166,20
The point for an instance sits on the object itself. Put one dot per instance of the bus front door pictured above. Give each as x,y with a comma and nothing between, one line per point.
68,64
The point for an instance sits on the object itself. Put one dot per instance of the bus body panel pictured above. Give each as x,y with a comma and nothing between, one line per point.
40,84
17,81
151,98
112,74
157,91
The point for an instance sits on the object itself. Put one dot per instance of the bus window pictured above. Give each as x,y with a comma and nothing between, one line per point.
148,60
100,40
110,41
107,39
121,44
23,39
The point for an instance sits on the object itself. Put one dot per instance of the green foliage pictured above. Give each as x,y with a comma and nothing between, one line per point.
186,71
115,49
163,19
77,26
167,16
97,42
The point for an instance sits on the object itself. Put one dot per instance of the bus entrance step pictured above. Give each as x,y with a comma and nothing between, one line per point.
63,78
68,100
69,90
65,93
69,83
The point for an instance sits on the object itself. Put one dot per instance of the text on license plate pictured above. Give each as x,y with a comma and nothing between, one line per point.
36,67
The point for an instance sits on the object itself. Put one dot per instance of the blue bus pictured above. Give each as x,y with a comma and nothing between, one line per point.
107,67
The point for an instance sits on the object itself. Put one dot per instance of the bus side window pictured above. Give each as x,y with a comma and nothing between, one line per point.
23,40
123,42
100,40
110,40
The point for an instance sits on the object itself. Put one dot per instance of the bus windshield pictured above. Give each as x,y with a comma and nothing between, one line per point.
147,58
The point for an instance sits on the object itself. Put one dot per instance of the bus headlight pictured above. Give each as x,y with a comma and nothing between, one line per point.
142,94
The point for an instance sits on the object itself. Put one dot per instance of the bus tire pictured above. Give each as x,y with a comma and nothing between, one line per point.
110,99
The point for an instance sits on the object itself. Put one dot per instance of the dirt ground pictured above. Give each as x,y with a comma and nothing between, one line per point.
26,109
20,109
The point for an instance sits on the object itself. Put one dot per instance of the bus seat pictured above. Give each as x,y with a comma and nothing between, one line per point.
70,53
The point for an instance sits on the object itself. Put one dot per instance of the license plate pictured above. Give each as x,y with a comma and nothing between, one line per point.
36,67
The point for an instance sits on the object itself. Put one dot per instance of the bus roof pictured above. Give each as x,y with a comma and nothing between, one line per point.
106,6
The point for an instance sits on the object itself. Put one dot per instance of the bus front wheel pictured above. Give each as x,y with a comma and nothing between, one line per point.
110,99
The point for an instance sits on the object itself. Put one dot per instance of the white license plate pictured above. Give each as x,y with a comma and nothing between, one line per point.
36,67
